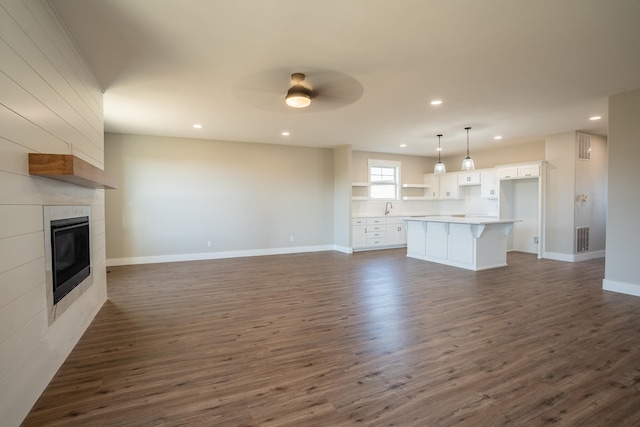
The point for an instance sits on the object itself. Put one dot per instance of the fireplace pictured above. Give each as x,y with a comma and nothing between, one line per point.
70,254
68,251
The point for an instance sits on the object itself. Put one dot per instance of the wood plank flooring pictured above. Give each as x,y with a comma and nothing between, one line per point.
369,339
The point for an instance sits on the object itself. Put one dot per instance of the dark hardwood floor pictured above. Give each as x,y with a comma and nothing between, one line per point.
369,339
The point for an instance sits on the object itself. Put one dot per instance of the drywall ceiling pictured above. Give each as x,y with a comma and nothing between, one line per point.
517,68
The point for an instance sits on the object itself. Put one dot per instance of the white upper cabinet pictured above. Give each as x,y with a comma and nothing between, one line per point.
441,187
489,184
449,186
510,172
432,182
469,178
519,171
528,171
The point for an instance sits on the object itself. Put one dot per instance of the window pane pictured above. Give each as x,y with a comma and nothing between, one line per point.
382,174
384,181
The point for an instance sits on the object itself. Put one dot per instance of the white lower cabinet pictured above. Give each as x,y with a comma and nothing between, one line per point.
396,233
358,236
378,232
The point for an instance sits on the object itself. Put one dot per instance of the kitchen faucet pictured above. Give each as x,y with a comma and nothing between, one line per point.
387,208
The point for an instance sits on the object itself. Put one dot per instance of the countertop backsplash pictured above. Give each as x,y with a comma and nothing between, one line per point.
470,204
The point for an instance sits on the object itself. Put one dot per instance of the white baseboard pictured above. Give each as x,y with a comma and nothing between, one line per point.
556,256
220,255
621,287
343,249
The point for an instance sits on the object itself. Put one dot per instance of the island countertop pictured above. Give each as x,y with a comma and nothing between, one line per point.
478,220
473,243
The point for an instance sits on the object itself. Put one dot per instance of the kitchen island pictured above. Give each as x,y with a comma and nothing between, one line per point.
474,243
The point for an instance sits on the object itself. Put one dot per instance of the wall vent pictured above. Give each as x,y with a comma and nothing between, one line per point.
582,239
584,147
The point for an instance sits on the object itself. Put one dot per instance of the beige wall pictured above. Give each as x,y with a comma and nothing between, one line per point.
50,104
591,180
568,177
412,170
177,194
342,161
530,152
623,227
561,171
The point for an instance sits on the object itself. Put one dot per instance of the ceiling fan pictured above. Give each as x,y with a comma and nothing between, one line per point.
312,91
298,96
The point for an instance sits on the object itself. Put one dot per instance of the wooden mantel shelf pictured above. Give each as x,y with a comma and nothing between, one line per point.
68,168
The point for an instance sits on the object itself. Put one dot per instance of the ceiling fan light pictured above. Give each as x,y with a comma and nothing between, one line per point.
298,97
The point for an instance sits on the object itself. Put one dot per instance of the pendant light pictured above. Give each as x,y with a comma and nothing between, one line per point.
467,163
439,169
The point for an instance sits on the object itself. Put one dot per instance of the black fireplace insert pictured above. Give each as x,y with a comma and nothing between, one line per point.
70,254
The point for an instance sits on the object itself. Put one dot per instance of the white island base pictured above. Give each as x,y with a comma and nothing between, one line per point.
471,243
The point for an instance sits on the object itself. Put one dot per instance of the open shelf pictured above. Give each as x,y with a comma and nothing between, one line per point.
71,169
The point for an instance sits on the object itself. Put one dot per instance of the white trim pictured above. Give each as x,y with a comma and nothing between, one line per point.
590,255
376,248
621,287
452,263
384,163
556,256
343,249
397,165
217,255
52,213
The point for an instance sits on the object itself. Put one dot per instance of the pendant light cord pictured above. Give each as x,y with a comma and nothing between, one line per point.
467,141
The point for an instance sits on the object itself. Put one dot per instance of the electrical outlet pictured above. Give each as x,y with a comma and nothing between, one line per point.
209,243
535,241
291,238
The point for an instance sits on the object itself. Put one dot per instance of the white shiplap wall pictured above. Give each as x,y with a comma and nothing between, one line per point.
49,103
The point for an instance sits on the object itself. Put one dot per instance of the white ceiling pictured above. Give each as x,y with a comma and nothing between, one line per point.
523,69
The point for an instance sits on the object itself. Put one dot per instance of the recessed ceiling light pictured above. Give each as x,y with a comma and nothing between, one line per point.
285,133
436,102
197,126
497,137
595,118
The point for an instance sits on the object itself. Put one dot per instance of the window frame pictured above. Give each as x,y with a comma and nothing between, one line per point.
377,163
